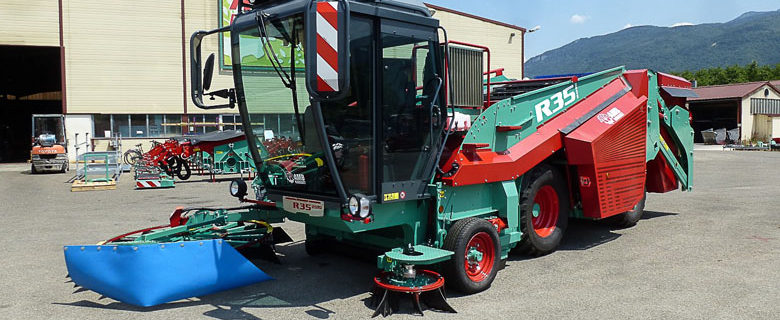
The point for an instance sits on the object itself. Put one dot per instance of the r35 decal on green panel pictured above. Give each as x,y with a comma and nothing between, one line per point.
547,107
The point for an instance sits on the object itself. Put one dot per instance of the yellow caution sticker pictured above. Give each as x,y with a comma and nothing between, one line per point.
391,196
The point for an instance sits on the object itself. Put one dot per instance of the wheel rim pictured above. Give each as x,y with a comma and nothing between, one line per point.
545,211
479,257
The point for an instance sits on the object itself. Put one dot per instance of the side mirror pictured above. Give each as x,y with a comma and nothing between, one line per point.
208,72
200,79
327,60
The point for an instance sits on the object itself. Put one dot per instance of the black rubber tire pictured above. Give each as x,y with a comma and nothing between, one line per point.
315,246
457,239
174,164
532,243
32,169
165,168
64,168
629,218
184,171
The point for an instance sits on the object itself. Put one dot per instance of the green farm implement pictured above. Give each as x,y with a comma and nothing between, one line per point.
404,147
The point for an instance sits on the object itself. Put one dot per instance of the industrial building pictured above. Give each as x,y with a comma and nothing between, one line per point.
753,107
122,68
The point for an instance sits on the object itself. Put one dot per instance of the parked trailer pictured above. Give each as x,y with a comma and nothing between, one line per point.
403,151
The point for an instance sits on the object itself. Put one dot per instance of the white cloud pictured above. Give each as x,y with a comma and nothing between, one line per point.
628,26
681,24
578,19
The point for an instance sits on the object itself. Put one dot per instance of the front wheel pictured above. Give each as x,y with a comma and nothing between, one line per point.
544,211
315,246
477,255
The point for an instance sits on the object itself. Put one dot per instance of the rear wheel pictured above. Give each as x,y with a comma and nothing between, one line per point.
544,211
629,218
477,256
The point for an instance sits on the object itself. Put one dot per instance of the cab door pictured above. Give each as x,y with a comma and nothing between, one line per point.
409,115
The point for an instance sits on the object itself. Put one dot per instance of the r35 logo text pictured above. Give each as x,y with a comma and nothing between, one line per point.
557,102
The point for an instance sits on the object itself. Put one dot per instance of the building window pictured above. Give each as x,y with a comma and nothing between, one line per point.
156,128
287,126
192,122
231,122
172,125
138,126
210,123
102,125
120,125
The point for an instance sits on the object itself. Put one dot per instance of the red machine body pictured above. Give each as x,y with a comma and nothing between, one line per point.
609,153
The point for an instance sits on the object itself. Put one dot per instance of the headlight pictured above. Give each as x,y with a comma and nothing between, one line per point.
359,206
238,188
354,206
365,207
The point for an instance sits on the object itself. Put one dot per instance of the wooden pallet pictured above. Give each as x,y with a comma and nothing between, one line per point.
80,185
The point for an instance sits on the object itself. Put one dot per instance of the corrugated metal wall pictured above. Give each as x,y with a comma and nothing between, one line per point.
506,50
126,57
764,106
123,56
29,23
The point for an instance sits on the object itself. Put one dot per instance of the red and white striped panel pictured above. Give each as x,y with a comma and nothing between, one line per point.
327,46
143,184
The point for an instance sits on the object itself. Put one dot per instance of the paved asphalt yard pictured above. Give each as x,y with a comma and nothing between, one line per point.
712,253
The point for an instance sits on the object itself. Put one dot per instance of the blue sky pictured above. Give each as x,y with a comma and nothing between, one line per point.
563,21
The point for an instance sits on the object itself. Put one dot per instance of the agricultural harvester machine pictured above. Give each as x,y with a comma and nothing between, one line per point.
402,151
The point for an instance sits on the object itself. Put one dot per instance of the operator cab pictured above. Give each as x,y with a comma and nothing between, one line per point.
48,129
368,125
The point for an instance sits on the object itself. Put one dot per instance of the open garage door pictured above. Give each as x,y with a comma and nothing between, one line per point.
30,83
713,115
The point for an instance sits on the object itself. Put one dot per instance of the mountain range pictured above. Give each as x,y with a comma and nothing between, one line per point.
753,36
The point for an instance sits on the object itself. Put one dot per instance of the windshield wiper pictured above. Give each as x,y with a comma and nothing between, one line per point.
287,79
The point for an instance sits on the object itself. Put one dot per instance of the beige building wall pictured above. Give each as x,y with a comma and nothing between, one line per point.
506,50
29,23
126,57
203,15
756,126
123,56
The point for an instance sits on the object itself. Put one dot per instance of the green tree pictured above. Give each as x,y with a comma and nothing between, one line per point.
732,74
